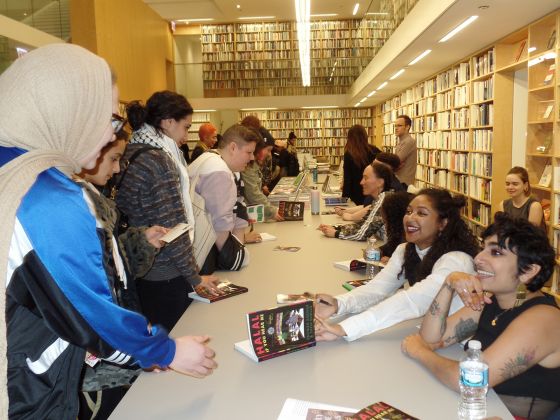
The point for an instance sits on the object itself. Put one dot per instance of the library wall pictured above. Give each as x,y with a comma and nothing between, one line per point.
188,65
137,47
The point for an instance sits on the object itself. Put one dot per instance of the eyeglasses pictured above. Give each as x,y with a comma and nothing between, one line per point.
117,122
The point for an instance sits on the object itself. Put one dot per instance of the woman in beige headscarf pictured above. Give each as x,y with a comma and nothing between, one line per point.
55,116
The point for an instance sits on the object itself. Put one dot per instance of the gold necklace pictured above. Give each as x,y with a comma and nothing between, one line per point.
495,320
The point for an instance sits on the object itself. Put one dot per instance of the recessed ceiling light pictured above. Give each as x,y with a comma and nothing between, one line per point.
258,109
377,13
531,49
319,106
194,20
238,6
397,74
255,17
382,85
205,110
371,93
458,29
358,104
356,7
420,57
324,15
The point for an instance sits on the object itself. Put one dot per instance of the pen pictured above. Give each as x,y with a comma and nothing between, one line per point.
324,302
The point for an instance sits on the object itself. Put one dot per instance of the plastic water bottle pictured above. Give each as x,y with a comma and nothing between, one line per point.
473,382
372,255
315,200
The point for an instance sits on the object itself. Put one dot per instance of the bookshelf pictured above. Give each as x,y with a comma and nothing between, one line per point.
321,132
262,59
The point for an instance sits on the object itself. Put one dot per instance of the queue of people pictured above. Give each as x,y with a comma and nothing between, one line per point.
88,284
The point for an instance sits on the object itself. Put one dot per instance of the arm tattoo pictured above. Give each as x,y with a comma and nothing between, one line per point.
517,365
448,286
443,325
465,328
435,309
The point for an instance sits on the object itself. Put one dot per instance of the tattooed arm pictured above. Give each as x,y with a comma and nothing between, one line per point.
441,330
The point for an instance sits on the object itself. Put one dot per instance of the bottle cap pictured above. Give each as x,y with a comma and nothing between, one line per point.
475,345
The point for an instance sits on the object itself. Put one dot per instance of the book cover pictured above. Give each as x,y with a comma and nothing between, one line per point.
352,284
283,298
291,210
381,411
227,288
336,201
256,213
278,331
351,265
305,410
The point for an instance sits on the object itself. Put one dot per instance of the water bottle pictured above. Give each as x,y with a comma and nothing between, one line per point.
473,382
372,255
315,200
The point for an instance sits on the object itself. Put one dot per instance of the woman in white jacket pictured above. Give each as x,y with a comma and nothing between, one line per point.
438,242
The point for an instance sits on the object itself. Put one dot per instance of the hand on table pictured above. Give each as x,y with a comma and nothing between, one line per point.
328,230
469,289
193,357
414,344
278,218
339,210
209,284
252,237
325,305
154,234
324,331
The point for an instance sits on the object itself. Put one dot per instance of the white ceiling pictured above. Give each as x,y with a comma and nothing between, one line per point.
428,22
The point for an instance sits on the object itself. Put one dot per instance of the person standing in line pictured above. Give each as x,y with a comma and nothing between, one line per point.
521,204
156,191
208,137
406,150
358,154
55,118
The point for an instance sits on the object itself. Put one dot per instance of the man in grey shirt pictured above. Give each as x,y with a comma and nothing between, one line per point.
406,150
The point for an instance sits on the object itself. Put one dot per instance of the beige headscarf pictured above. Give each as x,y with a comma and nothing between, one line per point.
55,102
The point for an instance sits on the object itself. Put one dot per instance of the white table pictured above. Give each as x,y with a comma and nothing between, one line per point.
347,374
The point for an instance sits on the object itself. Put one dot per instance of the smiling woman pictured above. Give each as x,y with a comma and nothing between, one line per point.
438,241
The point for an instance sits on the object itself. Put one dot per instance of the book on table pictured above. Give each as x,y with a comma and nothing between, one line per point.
279,331
351,265
227,288
381,411
291,210
352,284
256,213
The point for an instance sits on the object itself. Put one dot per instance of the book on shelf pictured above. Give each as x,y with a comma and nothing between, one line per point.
291,210
279,331
381,411
549,74
256,213
227,289
352,284
547,112
546,176
551,40
520,50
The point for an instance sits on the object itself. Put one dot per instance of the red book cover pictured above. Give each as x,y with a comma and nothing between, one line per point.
381,411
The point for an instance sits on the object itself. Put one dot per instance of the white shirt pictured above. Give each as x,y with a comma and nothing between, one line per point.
377,307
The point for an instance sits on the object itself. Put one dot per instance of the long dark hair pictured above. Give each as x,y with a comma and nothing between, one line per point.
161,106
357,145
455,236
393,210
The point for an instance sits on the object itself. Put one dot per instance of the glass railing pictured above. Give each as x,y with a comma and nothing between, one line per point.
50,16
10,50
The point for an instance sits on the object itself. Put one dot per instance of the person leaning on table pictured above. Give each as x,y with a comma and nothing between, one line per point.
58,303
438,243
518,325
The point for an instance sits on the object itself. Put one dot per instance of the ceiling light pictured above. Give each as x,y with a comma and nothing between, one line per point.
364,99
194,20
303,12
356,7
324,15
531,49
547,56
258,109
205,110
377,13
238,6
319,106
382,85
420,57
397,74
255,17
458,29
371,93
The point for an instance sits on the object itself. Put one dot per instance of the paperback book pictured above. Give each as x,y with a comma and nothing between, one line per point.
227,289
381,411
351,265
352,284
291,210
279,331
256,213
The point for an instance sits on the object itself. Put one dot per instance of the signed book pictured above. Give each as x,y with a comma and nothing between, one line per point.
279,331
228,290
291,210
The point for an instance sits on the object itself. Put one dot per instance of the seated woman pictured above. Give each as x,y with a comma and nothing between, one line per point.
375,182
519,329
438,242
521,204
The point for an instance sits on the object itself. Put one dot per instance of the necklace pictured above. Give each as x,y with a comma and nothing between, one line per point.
495,320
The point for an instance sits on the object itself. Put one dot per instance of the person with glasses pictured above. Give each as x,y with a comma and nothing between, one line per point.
406,150
58,303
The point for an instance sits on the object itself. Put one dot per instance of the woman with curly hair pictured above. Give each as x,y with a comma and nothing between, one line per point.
438,242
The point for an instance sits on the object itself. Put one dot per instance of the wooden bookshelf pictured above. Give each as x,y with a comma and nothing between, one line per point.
321,132
261,59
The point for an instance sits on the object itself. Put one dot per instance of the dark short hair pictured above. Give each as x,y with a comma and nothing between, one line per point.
407,120
161,106
384,172
391,159
240,135
528,242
